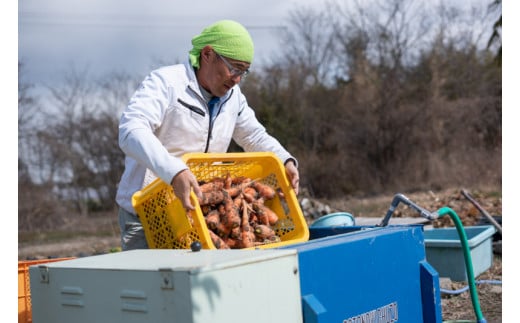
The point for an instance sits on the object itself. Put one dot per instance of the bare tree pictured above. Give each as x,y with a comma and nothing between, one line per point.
79,146
36,206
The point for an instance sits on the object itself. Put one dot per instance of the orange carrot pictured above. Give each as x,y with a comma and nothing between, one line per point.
211,198
235,233
263,231
212,186
236,189
232,243
264,190
271,216
228,181
222,230
213,219
250,194
265,214
260,214
272,239
241,180
217,241
231,217
248,237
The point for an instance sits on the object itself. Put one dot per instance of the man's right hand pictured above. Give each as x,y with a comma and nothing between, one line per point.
182,184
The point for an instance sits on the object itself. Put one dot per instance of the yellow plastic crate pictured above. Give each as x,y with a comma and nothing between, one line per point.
24,288
167,225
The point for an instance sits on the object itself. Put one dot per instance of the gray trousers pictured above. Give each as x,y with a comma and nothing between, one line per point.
132,232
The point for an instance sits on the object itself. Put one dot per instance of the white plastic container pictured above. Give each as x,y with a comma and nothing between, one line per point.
159,285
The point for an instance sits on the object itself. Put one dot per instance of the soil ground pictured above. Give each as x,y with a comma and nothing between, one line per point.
96,235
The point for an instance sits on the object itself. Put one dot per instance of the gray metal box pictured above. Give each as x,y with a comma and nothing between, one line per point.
169,286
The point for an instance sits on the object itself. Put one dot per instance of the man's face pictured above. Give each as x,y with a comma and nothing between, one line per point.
222,73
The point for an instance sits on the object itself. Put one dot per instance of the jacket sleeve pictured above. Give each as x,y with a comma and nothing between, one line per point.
142,116
252,136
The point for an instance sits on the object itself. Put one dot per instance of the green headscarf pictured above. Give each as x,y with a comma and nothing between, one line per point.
228,38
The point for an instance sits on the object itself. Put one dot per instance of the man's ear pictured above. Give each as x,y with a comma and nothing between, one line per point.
205,53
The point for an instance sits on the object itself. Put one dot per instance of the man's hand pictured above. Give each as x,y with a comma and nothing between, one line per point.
182,184
293,175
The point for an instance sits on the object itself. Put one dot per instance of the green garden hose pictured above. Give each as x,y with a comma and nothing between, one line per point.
400,198
467,258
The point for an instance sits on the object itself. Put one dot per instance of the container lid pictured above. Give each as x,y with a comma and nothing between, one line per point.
176,260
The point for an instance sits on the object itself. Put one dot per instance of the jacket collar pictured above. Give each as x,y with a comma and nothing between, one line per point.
194,84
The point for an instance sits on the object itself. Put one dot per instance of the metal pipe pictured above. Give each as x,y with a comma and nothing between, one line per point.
484,212
400,198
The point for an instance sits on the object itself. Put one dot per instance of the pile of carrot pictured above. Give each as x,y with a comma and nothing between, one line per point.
235,212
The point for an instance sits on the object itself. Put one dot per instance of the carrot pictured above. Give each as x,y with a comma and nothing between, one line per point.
247,236
232,243
271,216
272,239
217,241
264,190
253,218
213,219
265,214
211,198
231,218
222,230
205,209
235,233
241,180
236,189
233,191
263,231
228,181
260,214
214,185
250,194
221,209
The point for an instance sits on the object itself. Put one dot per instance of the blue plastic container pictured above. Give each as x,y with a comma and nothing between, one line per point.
340,219
444,250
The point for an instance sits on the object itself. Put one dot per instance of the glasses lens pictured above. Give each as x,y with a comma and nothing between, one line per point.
233,70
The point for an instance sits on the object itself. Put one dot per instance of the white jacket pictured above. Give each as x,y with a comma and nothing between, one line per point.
167,117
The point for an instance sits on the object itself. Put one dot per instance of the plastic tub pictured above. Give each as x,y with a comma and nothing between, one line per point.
444,250
339,219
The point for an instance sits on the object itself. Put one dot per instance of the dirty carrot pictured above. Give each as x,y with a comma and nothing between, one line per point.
212,186
264,190
265,214
248,237
263,231
231,217
211,198
217,241
213,219
250,194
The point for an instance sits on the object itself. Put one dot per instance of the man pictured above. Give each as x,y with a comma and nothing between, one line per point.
193,107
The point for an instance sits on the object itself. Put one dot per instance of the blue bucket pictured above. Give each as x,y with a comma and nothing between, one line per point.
340,219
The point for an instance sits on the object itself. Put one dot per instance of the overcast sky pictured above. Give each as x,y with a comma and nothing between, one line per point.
130,35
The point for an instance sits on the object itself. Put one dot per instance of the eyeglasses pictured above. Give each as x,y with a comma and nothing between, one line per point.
233,70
